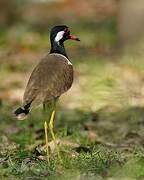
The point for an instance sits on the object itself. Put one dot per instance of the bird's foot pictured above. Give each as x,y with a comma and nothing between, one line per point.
53,147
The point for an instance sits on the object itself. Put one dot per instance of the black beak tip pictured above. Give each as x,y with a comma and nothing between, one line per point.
77,39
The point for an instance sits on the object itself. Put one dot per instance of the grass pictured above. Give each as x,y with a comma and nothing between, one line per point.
99,122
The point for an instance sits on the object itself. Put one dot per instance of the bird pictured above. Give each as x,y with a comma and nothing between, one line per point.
52,77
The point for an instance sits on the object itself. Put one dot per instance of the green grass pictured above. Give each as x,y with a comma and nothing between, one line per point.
116,152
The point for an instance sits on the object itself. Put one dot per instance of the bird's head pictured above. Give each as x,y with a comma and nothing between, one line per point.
61,33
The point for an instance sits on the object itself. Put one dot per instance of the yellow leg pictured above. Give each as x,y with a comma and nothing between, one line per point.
52,133
46,139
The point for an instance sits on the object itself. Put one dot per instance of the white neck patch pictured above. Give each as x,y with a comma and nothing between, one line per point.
63,57
59,36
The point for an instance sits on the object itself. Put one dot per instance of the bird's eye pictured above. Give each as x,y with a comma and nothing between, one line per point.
67,31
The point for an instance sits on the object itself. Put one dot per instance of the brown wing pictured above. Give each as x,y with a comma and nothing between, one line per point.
51,77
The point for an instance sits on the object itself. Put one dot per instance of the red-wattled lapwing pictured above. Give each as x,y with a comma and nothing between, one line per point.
51,77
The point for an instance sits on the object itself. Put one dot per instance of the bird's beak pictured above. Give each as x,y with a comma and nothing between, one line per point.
72,37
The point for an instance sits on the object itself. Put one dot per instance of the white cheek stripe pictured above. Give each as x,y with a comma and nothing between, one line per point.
59,36
64,57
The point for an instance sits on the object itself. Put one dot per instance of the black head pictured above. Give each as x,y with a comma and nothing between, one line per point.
61,33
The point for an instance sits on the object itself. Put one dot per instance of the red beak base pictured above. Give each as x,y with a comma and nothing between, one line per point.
74,38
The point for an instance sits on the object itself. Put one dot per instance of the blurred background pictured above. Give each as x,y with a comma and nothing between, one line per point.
106,101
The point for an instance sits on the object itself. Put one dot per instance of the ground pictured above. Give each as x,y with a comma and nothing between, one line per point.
99,122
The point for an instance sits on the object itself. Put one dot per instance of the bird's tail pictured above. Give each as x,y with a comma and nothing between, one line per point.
22,112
